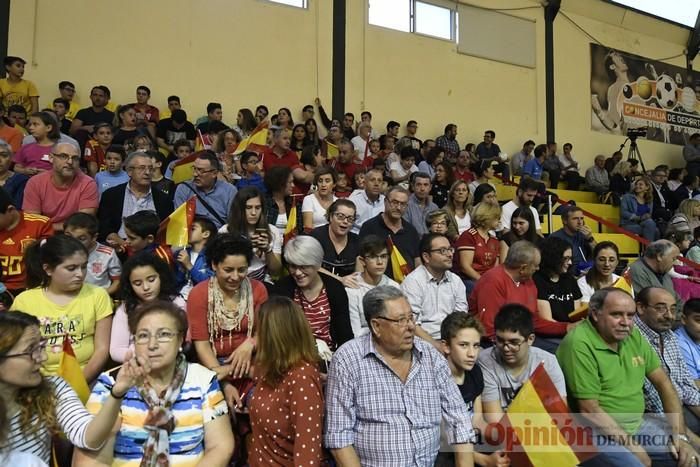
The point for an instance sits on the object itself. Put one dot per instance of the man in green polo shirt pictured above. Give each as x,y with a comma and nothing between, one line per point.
605,361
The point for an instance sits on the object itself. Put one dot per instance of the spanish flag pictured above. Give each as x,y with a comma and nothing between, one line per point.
256,142
331,150
537,428
174,230
399,266
69,369
625,282
182,169
202,142
291,230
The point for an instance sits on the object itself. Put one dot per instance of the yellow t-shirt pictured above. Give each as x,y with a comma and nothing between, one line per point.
18,93
78,319
72,110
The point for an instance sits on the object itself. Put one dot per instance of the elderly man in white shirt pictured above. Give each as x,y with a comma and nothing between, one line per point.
432,289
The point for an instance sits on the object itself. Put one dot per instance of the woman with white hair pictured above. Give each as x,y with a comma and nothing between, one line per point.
322,297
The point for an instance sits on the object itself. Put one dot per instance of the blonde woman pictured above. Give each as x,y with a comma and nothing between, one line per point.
621,179
636,209
686,218
477,248
459,203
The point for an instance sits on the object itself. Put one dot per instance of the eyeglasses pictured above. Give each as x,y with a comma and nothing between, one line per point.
197,170
342,217
305,268
402,322
663,308
444,250
513,345
382,257
397,204
143,168
35,352
66,157
163,336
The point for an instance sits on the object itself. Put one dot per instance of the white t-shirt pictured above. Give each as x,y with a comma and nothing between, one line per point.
586,290
23,459
258,262
360,146
313,205
463,223
507,211
401,172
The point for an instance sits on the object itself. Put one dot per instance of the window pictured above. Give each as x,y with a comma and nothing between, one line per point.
433,20
392,14
414,16
296,3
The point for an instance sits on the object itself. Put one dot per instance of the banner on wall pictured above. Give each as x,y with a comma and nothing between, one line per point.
629,91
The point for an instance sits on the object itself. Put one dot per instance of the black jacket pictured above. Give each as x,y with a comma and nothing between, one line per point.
112,205
341,329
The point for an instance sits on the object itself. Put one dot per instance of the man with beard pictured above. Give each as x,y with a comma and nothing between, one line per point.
524,196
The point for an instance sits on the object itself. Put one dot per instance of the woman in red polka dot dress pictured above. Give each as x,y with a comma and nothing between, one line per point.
286,408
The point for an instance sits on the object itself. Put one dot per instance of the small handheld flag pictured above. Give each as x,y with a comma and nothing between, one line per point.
257,140
399,266
291,230
182,169
174,230
69,369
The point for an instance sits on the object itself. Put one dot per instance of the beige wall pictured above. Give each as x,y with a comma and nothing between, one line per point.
245,52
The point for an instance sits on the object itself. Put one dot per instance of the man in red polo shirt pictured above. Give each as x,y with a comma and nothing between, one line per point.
280,154
345,161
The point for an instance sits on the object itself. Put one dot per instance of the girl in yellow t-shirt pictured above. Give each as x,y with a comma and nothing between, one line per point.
65,305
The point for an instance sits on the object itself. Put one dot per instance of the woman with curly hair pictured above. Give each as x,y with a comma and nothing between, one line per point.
38,407
144,278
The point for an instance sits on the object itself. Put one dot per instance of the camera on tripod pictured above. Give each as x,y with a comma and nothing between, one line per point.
634,133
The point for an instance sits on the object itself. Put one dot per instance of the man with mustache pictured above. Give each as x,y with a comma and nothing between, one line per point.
605,361
656,314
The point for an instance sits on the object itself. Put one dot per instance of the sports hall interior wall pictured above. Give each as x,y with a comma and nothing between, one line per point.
246,52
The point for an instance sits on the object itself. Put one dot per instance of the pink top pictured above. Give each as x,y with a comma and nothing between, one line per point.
34,156
42,196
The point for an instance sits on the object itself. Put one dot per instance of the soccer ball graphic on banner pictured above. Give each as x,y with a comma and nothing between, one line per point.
666,91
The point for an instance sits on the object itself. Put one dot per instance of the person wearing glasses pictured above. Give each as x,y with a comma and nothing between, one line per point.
388,393
655,318
128,198
214,196
610,395
321,296
509,364
63,190
340,245
390,224
35,406
373,257
173,412
432,290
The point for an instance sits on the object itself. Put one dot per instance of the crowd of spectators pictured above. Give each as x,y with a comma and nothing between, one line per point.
336,293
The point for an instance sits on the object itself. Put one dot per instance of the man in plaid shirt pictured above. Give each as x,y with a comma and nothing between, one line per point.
656,312
388,392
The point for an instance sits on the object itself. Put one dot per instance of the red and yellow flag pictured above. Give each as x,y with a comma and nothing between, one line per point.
532,427
291,230
202,142
69,369
256,142
625,282
331,150
174,230
182,169
399,266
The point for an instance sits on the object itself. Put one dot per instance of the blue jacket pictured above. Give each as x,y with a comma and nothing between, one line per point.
628,209
200,270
